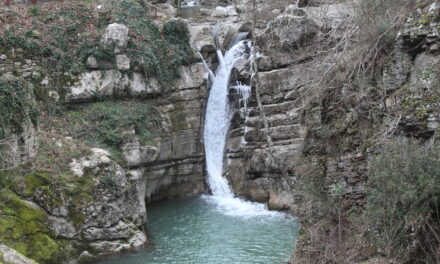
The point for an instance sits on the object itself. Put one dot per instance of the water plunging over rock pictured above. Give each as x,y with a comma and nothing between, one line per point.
217,122
218,116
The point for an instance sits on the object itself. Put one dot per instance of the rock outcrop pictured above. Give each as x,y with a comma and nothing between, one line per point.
174,165
101,208
10,256
19,119
98,206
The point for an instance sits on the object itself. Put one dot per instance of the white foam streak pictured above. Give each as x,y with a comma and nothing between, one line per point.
237,207
245,92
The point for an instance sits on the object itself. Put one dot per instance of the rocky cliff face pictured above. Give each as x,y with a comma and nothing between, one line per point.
321,131
174,165
87,201
98,206
330,134
289,66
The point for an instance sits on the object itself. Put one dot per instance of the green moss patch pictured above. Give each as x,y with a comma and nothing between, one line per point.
22,228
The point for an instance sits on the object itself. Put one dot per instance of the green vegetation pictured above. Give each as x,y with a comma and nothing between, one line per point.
404,202
23,225
61,43
16,105
23,228
106,123
157,53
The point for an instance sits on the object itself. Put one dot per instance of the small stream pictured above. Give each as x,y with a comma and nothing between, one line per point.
196,230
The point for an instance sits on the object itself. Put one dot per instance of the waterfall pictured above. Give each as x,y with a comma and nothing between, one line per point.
217,120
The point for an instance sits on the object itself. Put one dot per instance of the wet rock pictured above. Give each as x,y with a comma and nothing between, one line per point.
117,246
121,230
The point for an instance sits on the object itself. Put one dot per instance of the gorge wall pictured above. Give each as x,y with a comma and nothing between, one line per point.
91,198
84,192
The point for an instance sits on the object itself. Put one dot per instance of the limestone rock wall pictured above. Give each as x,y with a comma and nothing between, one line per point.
255,170
174,164
313,136
99,208
178,168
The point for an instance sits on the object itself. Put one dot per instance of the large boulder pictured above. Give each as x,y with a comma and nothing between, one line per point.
105,208
116,34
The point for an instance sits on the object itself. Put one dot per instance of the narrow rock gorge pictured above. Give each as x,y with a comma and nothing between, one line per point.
103,107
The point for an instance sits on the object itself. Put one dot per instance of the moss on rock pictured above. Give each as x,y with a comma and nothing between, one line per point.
22,227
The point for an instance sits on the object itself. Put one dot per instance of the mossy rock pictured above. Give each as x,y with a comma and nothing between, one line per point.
22,227
22,182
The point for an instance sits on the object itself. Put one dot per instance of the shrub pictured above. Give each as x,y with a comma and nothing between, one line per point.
64,37
106,122
403,203
157,53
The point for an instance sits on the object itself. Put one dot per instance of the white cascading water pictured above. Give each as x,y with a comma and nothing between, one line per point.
217,121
